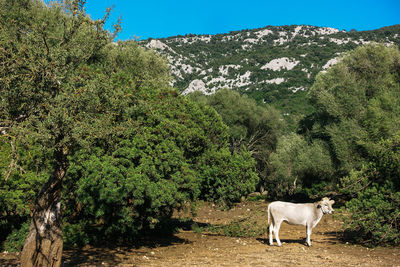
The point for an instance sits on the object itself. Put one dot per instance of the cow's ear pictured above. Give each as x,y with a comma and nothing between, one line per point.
332,202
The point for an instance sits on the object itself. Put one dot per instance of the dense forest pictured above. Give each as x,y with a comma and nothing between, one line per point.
96,146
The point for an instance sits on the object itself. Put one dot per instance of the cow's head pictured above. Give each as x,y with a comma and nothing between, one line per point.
326,205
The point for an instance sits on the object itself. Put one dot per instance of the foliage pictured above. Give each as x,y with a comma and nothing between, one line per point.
22,185
133,148
249,50
15,240
299,166
47,105
252,126
375,208
226,177
18,189
357,116
159,167
357,103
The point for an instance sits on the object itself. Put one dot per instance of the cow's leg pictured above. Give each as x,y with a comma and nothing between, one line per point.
271,228
276,231
308,230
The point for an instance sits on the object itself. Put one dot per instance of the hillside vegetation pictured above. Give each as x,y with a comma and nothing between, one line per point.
275,64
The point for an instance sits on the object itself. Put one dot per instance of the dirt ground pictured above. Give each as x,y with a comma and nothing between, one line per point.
205,248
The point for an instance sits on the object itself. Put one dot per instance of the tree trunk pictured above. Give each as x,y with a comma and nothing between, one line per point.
43,245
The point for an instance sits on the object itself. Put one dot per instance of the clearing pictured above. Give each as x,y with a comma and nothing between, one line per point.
201,245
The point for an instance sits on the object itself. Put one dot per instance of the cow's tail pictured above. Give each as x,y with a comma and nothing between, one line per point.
269,212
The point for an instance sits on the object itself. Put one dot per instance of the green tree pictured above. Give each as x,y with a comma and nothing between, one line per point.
226,176
298,166
154,168
252,127
357,103
61,91
18,189
98,120
357,114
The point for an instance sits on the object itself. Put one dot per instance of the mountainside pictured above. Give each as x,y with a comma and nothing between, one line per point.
275,64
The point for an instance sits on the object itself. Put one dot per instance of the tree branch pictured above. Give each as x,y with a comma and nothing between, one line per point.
14,155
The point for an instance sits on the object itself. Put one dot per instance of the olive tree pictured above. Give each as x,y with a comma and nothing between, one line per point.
62,88
357,104
357,115
107,128
300,167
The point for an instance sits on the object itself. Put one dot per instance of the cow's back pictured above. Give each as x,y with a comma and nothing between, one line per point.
293,213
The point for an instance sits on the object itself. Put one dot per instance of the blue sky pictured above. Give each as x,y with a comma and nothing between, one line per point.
152,18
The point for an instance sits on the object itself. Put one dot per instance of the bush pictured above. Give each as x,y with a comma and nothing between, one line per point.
129,186
375,206
16,239
18,188
375,216
256,127
227,177
300,167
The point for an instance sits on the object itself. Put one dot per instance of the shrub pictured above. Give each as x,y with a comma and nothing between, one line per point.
129,186
16,239
298,166
17,192
227,176
256,127
375,206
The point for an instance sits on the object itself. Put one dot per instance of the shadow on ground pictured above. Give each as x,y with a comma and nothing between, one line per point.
9,262
265,241
120,254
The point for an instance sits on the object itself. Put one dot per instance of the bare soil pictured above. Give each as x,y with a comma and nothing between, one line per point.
204,248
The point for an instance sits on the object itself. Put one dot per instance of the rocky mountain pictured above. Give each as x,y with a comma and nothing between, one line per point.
275,64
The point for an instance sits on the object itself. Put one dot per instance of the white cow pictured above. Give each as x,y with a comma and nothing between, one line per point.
308,214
